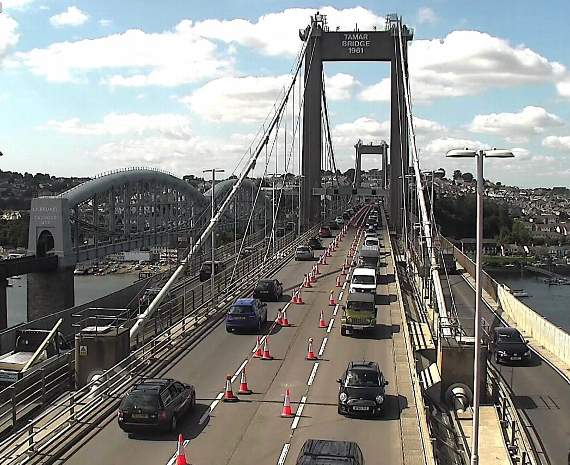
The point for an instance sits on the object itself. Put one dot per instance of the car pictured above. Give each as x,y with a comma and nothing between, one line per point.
372,241
304,252
315,243
206,269
155,404
247,251
246,314
268,289
339,220
370,234
325,231
361,389
333,225
508,345
324,451
359,313
363,280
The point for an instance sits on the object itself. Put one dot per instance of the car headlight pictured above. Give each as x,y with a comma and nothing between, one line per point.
379,399
352,290
343,397
502,352
348,319
527,352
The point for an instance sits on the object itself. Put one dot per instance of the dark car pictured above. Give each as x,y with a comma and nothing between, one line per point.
325,452
246,314
268,289
247,251
361,390
509,345
333,225
155,404
325,231
315,243
206,269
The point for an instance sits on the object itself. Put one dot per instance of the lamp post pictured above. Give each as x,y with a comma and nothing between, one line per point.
300,178
273,209
479,154
213,256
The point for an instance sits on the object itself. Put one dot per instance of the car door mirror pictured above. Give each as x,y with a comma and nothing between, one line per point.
339,381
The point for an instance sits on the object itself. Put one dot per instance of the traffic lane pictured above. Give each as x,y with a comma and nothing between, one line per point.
539,391
205,366
375,436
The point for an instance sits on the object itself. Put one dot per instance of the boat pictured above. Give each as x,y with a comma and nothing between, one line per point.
519,293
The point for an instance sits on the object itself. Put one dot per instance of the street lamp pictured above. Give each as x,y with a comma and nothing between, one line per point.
213,256
479,154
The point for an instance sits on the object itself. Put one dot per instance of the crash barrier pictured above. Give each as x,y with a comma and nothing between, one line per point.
78,412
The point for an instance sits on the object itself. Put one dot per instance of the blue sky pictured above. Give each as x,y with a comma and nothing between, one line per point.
91,86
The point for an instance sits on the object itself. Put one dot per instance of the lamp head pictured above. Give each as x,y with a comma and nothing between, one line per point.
461,153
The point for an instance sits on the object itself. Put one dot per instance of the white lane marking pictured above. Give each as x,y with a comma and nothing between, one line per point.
283,454
341,293
344,286
173,458
213,405
299,412
330,325
237,373
313,373
335,311
323,345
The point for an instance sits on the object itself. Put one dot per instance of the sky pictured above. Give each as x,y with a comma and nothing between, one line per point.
87,87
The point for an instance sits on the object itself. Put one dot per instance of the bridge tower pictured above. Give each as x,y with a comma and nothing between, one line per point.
371,149
325,45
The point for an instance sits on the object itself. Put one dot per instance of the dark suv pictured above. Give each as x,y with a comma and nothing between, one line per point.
155,404
248,314
315,243
361,389
325,452
268,289
509,345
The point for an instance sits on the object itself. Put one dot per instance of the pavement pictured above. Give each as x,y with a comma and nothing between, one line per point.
252,430
540,392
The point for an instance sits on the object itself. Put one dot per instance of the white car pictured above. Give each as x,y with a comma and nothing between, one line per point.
363,280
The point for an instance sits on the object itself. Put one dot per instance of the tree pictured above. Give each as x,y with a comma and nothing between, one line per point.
350,174
439,173
456,174
467,177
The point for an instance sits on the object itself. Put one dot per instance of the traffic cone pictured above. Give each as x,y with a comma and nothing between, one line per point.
287,412
294,298
343,272
180,452
266,355
279,320
300,297
307,282
331,298
310,354
324,259
243,387
285,321
258,352
312,277
229,393
322,322
338,281
317,271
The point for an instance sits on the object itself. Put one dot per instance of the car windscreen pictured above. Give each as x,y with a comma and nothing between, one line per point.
241,310
510,338
303,249
147,401
362,378
371,241
360,306
362,279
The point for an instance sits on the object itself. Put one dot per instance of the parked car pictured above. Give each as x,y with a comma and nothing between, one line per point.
508,345
322,451
268,289
155,404
325,231
246,314
304,252
361,389
315,243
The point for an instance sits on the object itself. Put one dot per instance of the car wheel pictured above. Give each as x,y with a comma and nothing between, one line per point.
228,330
339,410
173,423
342,331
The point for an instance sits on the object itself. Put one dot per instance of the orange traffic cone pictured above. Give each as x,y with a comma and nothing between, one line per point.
324,259
287,412
180,452
317,271
307,282
285,321
229,393
266,355
338,281
312,277
294,298
343,272
258,351
243,387
331,298
310,354
279,320
300,296
322,322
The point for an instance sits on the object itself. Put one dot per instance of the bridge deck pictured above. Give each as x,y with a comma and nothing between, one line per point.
252,430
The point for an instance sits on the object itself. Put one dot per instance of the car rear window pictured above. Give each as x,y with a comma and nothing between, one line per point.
362,378
362,279
360,306
510,338
240,309
303,249
143,400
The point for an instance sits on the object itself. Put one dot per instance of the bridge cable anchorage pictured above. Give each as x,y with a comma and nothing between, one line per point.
425,219
251,164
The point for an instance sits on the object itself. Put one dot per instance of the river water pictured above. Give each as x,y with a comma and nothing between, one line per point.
87,288
552,302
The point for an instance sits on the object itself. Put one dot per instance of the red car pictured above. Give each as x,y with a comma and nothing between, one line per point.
325,231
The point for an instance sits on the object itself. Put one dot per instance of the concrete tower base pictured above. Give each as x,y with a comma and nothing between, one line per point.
50,292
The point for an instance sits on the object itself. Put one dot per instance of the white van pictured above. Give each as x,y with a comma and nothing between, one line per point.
363,280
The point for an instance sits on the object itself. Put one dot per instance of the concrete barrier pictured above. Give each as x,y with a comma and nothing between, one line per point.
539,328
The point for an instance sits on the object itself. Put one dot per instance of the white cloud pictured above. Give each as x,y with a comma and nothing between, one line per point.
441,145
16,4
8,34
426,16
516,127
277,33
563,87
115,124
245,99
468,63
105,22
340,86
557,142
168,58
73,16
